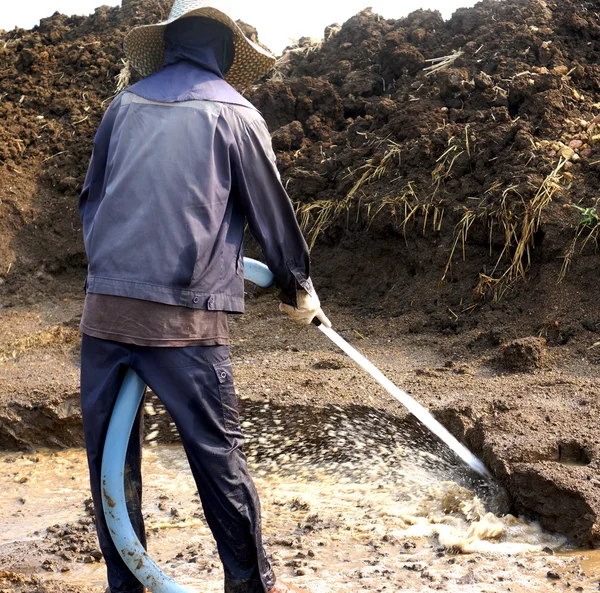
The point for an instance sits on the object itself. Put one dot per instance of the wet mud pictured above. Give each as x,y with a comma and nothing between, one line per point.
378,501
387,513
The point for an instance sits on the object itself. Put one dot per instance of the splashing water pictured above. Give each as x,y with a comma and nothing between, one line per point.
352,499
414,407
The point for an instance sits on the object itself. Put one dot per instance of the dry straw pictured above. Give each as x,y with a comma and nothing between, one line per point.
516,217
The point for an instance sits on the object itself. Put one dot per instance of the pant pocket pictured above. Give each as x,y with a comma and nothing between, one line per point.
224,372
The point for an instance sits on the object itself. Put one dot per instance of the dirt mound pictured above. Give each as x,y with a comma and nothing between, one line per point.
17,583
55,85
462,136
467,133
523,355
479,133
56,82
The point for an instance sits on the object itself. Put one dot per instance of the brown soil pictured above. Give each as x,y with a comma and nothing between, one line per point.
525,354
17,583
443,211
520,424
481,161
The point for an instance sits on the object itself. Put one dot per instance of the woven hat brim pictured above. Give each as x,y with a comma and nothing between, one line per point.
145,48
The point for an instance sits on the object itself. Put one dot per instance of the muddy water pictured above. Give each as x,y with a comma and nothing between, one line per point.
351,500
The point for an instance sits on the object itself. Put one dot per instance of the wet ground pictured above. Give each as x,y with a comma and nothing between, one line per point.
355,495
351,501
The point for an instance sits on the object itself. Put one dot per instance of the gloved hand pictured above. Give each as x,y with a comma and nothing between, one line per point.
307,308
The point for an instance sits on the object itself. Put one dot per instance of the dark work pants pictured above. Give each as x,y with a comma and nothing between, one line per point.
196,386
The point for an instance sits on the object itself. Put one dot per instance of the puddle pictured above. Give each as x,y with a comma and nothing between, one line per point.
352,499
590,561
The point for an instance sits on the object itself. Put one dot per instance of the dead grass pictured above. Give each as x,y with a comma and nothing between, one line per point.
282,66
588,231
444,165
460,236
531,223
52,337
404,205
513,212
122,80
519,228
124,77
441,63
317,216
518,220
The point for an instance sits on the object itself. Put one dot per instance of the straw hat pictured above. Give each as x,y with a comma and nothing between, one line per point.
145,46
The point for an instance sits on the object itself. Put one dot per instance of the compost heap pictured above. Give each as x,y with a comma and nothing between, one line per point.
460,138
468,148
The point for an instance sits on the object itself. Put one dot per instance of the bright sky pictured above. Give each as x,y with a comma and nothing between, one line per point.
277,22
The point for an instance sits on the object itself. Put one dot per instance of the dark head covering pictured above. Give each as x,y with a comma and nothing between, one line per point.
198,54
204,42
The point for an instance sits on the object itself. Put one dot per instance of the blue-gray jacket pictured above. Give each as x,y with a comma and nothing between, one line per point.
170,186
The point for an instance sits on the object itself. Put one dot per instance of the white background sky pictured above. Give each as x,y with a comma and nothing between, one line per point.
277,21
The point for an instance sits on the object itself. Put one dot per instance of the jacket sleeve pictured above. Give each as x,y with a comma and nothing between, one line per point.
270,213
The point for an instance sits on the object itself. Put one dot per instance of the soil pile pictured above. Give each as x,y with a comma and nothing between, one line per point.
473,138
56,81
524,355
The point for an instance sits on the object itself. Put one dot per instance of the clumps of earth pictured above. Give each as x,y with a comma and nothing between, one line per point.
75,542
462,136
466,150
522,355
11,582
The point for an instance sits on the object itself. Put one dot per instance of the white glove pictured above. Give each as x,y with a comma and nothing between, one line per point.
307,308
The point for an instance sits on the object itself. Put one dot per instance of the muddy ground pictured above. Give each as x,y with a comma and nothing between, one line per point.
383,522
525,406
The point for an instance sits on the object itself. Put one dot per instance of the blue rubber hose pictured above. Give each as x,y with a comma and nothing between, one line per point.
257,273
114,504
113,492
